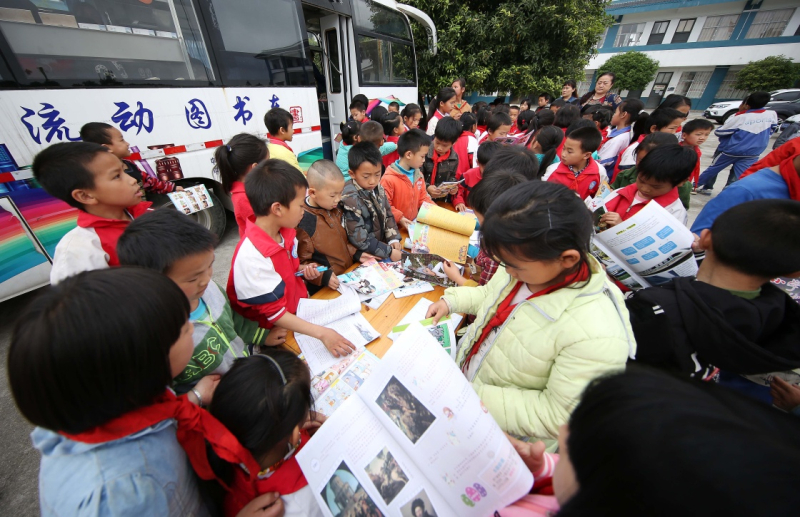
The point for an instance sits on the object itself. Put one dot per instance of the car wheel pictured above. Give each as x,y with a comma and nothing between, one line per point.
212,218
728,115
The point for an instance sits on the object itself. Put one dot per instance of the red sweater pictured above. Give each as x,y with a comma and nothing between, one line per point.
586,184
110,230
560,147
461,148
394,155
471,178
776,157
622,203
696,172
241,207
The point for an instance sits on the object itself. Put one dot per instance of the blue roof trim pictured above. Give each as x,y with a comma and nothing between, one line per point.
642,6
703,44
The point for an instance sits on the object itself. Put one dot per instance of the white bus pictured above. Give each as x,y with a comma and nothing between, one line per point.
178,78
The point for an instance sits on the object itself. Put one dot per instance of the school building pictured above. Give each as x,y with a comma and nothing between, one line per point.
700,44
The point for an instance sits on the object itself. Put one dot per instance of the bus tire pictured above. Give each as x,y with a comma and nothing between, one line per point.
213,218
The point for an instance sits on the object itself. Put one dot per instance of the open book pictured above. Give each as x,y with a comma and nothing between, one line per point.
191,199
442,232
336,384
372,279
427,267
650,248
414,431
342,314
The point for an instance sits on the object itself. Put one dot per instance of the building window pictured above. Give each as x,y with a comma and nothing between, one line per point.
629,34
585,84
693,84
726,89
657,34
769,24
718,28
602,39
683,30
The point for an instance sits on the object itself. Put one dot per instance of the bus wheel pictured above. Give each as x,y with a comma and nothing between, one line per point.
213,218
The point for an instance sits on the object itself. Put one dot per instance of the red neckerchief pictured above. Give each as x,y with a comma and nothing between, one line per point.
436,163
286,479
110,230
279,142
196,427
505,309
627,195
482,129
791,177
438,115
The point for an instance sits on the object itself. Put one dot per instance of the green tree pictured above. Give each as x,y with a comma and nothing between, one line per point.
770,73
519,46
633,70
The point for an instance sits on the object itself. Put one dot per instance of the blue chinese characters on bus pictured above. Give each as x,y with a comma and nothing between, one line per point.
197,115
140,118
241,112
274,102
50,120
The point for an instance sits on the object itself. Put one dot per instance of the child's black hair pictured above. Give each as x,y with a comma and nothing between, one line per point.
545,118
660,118
448,130
477,106
671,163
363,152
96,132
654,140
589,137
350,130
497,120
754,237
272,181
395,104
482,116
488,189
363,99
261,402
358,106
61,168
160,238
277,119
546,96
602,115
94,347
233,158
514,158
468,122
526,122
757,100
377,114
675,101
549,138
390,122
487,150
566,116
412,140
697,125
688,416
372,131
558,103
444,95
538,220
513,107
633,107
581,122
410,110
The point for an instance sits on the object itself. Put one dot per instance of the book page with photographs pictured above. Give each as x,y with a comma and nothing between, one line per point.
372,279
336,384
652,247
428,267
433,215
415,432
191,199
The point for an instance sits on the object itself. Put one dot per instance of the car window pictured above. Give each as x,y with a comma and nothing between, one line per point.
786,96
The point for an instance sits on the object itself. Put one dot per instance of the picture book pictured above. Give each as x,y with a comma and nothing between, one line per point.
414,436
336,384
427,267
417,314
372,279
443,331
342,314
191,199
442,232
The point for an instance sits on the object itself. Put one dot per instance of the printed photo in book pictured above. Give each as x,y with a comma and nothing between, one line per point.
415,437
338,383
372,279
427,267
442,232
191,199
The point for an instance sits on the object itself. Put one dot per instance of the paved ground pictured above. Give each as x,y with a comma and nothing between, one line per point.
19,462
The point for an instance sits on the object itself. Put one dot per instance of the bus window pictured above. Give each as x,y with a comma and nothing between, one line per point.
105,42
386,52
258,43
377,18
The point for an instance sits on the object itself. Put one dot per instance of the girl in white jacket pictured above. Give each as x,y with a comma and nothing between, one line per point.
549,321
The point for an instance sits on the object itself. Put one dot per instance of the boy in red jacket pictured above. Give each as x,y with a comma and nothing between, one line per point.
88,177
403,182
473,176
262,285
660,173
578,170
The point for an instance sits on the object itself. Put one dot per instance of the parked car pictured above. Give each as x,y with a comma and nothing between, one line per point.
785,109
721,111
791,94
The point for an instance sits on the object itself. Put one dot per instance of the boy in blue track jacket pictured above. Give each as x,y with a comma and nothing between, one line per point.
742,138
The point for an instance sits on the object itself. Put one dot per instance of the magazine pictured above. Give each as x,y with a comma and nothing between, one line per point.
417,314
342,314
336,384
427,267
372,279
650,248
442,232
191,199
414,431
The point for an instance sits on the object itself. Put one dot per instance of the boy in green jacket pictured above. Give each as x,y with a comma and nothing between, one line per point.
174,244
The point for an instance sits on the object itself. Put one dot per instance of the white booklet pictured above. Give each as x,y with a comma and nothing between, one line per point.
342,314
414,433
650,248
191,199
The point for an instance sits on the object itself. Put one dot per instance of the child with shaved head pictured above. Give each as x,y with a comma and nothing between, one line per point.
321,235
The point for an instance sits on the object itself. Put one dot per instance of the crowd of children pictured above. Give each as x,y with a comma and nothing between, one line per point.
119,401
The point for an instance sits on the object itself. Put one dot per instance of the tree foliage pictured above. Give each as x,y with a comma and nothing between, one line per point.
521,46
634,70
770,73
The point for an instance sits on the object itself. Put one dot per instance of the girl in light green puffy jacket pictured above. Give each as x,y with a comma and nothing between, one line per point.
549,321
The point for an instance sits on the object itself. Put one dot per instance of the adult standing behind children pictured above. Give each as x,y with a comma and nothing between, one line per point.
548,322
280,125
602,92
90,178
569,93
742,138
403,181
461,106
234,160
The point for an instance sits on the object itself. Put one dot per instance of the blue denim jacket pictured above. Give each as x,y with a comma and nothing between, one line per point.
143,474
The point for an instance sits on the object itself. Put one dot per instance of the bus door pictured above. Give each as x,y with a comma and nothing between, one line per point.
333,29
